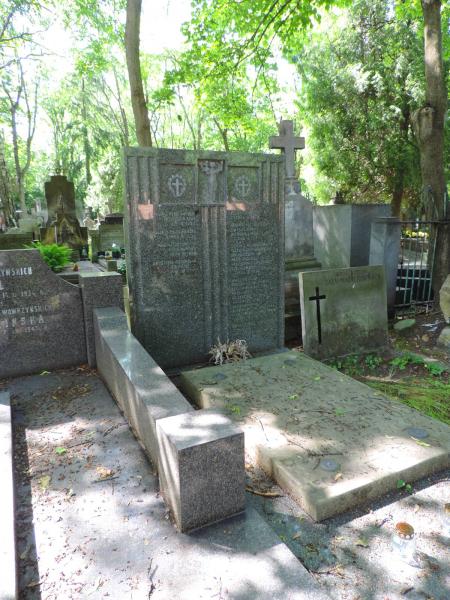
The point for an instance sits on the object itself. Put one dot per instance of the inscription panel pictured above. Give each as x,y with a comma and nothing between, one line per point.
344,311
38,311
210,266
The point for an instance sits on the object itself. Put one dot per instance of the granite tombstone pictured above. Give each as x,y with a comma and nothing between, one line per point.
46,322
343,311
37,305
205,256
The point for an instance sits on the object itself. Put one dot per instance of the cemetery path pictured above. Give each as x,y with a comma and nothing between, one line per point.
351,554
90,522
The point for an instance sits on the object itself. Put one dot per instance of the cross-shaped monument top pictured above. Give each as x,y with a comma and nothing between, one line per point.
289,143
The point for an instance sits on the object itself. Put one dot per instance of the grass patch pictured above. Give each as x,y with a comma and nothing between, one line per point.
430,396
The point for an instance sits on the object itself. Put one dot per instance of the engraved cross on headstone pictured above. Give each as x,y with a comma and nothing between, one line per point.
317,299
288,143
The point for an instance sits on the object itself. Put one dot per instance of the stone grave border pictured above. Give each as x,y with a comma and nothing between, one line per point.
8,579
199,455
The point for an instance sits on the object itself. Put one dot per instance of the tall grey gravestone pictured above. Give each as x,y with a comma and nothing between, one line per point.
205,251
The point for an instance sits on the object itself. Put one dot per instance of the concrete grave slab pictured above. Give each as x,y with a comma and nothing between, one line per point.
330,441
343,311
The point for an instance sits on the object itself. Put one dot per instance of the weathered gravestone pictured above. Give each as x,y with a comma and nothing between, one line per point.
343,311
62,226
60,195
298,224
205,256
46,322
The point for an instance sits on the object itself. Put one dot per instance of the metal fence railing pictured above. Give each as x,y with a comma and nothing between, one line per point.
415,268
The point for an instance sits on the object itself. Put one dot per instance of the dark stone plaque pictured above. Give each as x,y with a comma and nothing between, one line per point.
205,251
41,316
343,311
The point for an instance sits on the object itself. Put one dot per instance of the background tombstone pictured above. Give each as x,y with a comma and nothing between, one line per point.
385,250
298,223
343,311
342,233
63,226
205,251
60,196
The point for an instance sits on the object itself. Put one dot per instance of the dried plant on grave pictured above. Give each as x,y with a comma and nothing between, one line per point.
229,352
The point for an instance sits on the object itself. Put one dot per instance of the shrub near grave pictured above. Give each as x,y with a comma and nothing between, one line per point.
56,256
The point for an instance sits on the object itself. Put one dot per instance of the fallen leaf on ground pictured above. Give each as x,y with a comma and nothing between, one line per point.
362,542
420,442
338,476
105,473
60,450
45,481
296,535
261,493
45,373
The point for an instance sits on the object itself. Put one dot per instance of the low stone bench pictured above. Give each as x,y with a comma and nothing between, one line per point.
199,454
8,578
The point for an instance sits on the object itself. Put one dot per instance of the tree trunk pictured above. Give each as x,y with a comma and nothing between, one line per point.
138,102
86,144
19,173
399,180
428,123
6,196
397,194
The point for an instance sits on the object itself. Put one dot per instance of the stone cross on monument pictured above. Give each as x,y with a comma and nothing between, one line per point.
288,143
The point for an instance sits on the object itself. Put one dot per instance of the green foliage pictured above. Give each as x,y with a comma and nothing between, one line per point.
429,396
435,369
362,79
372,361
57,257
401,484
401,362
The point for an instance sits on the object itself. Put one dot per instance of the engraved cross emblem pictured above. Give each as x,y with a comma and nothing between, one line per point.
176,185
288,143
317,298
242,185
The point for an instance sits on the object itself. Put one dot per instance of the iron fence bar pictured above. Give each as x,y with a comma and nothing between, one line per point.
434,238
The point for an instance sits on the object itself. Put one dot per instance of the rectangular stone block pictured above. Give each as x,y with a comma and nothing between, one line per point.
205,251
202,467
8,579
343,311
142,390
98,290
